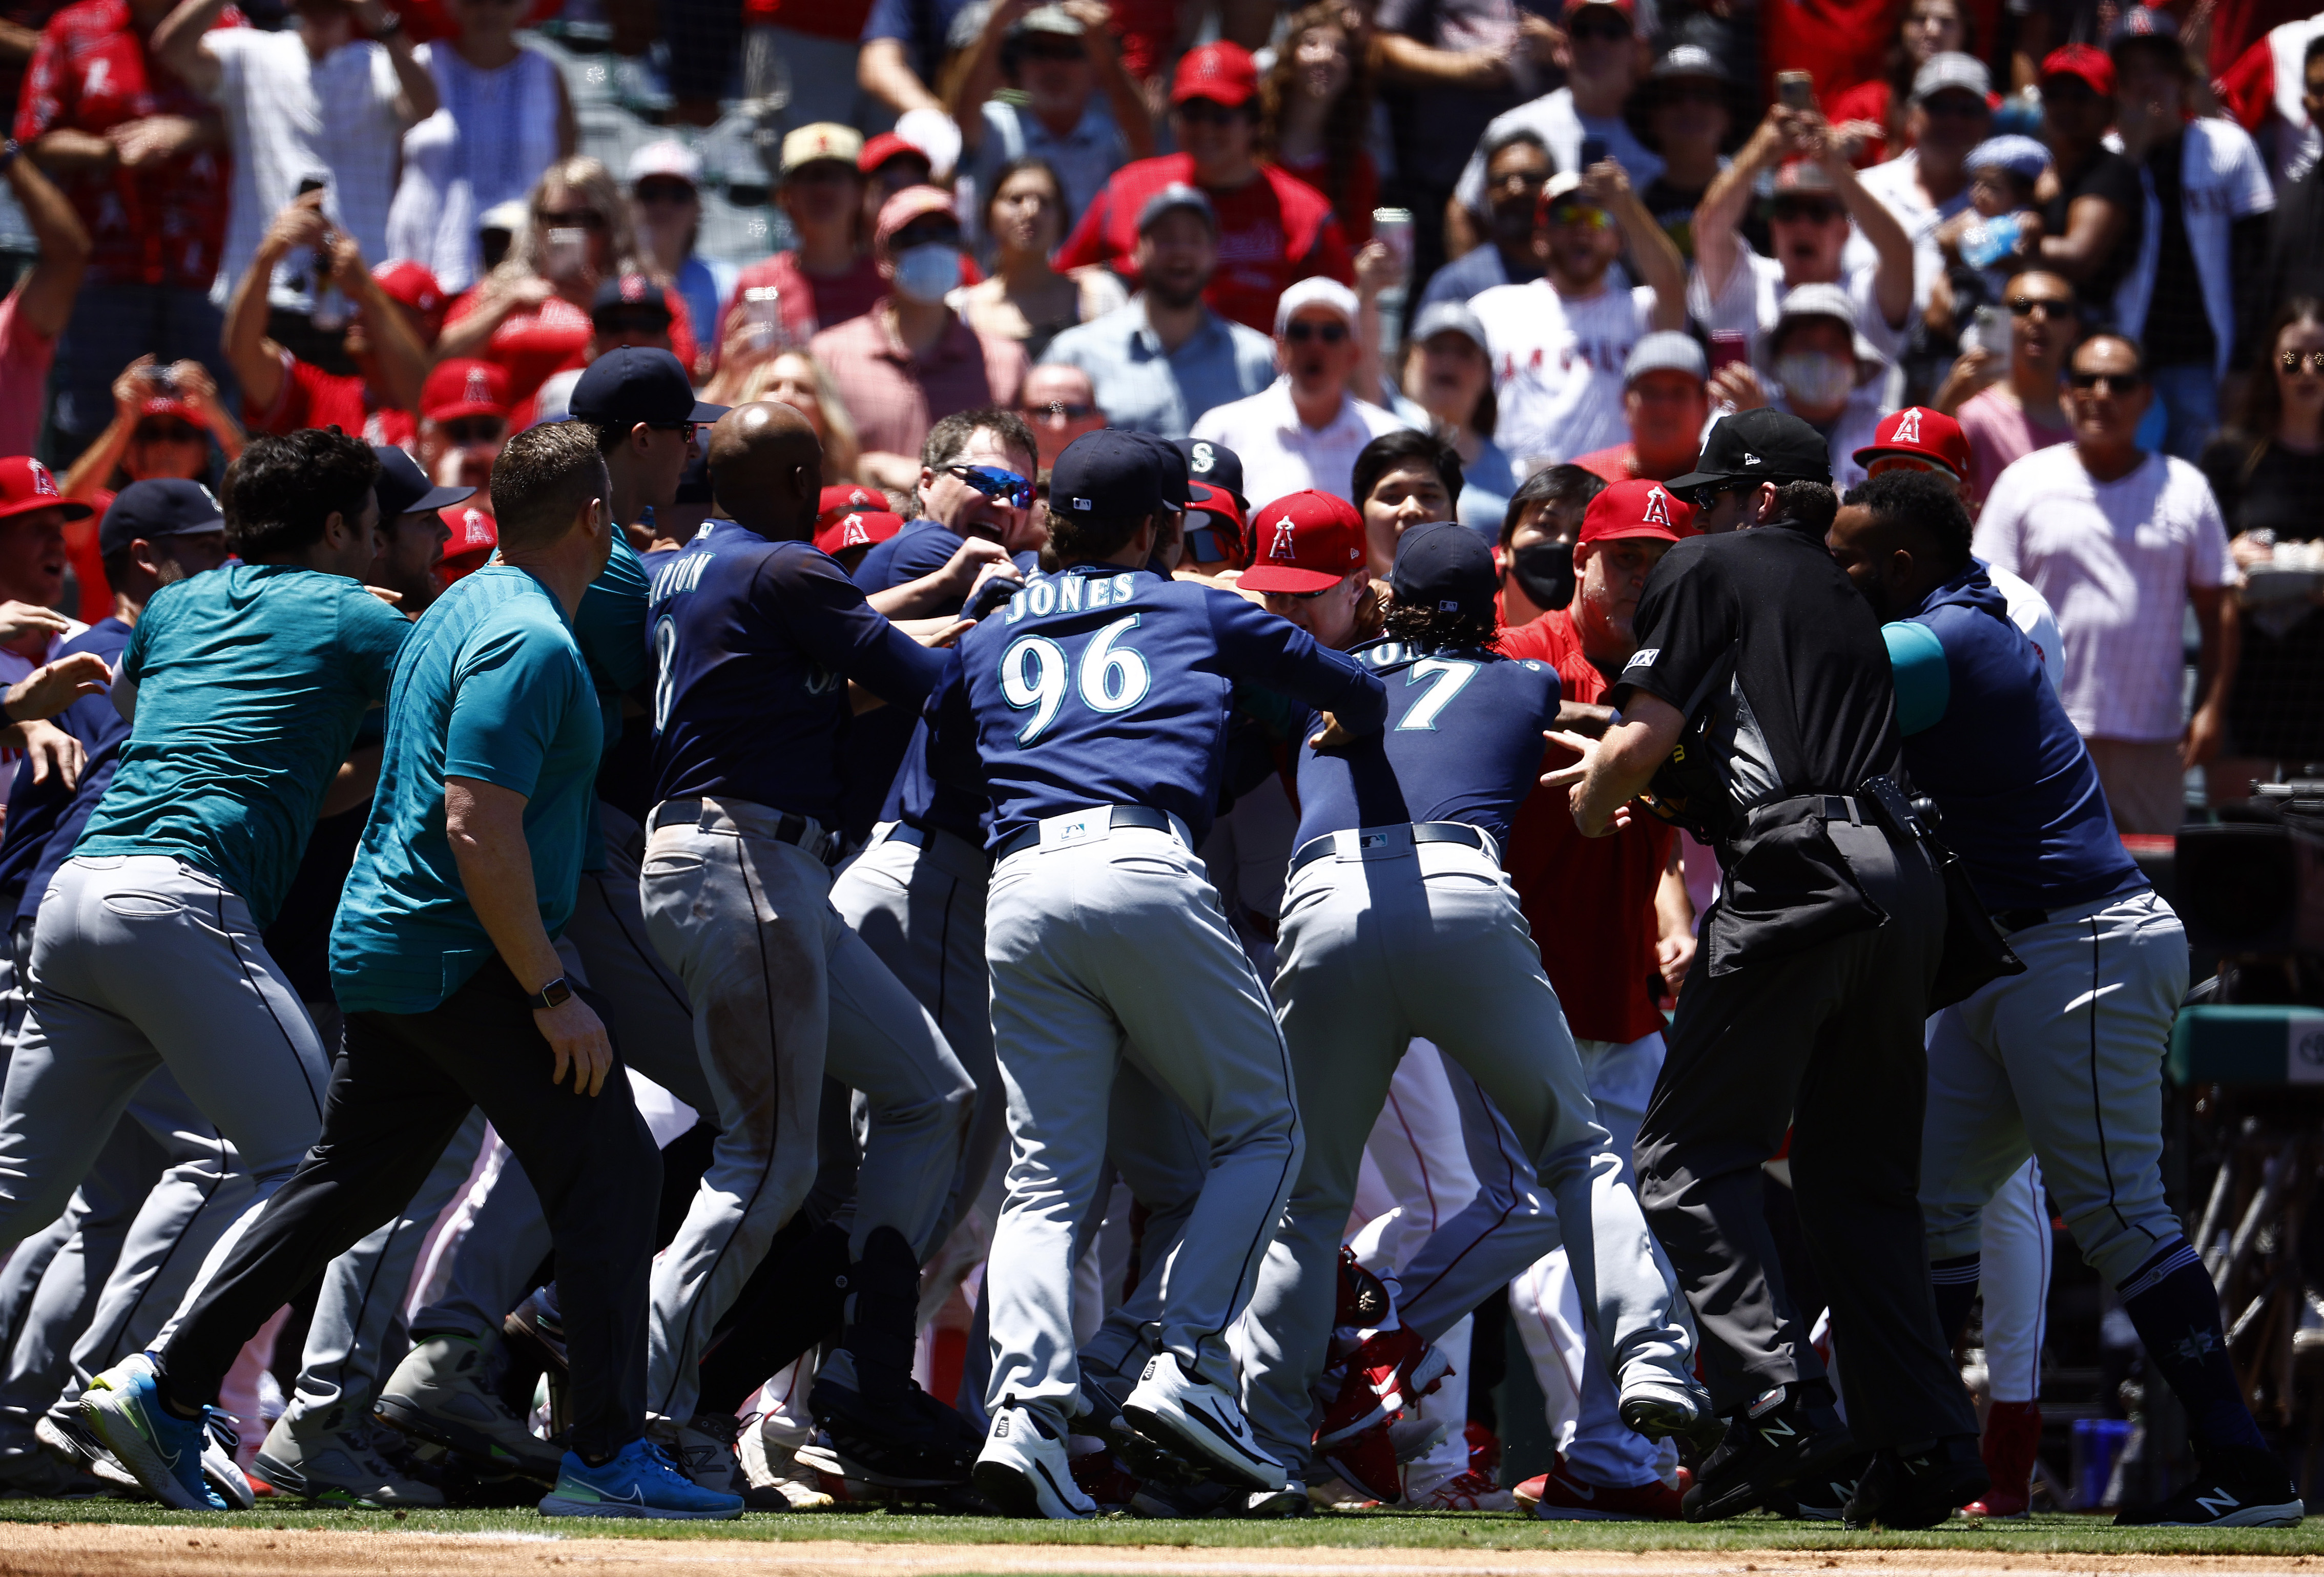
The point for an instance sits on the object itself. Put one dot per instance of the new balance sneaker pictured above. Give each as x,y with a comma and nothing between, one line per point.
2011,1439
163,1450
903,1440
442,1392
704,1449
1821,1497
1466,1490
640,1480
1781,1436
1662,1405
68,1437
1200,1421
1024,1468
2236,1487
337,1466
1919,1486
1561,1495
768,1464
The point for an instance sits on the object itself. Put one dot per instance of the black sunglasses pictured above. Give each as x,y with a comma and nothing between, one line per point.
1300,331
2109,383
688,428
567,218
1001,487
474,430
2026,306
2290,361
1210,545
1708,495
665,190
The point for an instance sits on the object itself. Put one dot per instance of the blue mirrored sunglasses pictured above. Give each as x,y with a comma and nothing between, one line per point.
1002,486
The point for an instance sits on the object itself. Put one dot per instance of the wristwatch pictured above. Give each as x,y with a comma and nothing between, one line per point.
556,992
9,150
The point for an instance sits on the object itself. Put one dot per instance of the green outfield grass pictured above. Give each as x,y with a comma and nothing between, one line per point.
1361,1530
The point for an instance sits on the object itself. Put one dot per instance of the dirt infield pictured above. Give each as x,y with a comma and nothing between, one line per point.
80,1550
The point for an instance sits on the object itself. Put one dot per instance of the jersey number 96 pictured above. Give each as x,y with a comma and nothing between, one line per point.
1034,677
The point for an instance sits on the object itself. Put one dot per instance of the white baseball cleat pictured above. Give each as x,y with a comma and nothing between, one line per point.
1025,1471
1202,1423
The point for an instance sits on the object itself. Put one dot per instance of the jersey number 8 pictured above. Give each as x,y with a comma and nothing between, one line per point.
1033,676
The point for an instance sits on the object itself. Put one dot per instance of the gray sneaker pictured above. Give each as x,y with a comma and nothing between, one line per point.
74,1443
442,1392
337,1467
703,1447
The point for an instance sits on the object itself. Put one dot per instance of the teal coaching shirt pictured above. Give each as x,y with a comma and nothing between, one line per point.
250,682
491,686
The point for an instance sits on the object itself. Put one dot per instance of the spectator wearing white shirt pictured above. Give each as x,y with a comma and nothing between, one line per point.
1820,369
1304,429
1559,344
317,101
1604,58
2207,203
2121,542
1928,184
1817,194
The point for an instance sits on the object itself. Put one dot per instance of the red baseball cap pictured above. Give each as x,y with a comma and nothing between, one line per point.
1628,9
858,528
171,405
461,387
1209,499
1637,509
1307,542
1918,433
474,538
414,286
25,485
846,499
2090,64
1221,72
887,145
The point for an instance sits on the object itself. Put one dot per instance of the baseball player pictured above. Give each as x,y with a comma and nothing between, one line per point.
1097,703
2064,1060
1397,922
759,639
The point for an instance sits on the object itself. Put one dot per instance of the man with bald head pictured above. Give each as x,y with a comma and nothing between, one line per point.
766,649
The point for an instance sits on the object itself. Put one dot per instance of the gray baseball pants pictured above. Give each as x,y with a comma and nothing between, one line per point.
782,992
1107,944
2064,1063
1382,942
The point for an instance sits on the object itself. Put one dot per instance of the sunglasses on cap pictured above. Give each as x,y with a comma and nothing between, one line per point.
997,485
474,430
1211,544
1565,213
1300,330
169,432
2105,383
1057,410
1808,210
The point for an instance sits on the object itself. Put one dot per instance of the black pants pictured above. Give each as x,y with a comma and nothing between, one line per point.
1826,1039
398,1093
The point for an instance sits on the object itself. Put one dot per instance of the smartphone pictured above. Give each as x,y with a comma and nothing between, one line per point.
1727,347
1795,89
1990,329
763,309
1593,150
565,252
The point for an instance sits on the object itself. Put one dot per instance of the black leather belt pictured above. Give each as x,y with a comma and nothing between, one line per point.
1423,832
789,827
2012,921
1117,817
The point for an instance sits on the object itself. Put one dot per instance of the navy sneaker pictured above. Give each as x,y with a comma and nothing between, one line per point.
640,1480
165,1452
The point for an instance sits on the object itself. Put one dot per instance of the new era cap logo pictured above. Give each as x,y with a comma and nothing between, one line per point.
1281,547
1908,427
42,482
1751,459
1657,508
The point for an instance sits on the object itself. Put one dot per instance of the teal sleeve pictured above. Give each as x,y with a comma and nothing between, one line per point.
371,633
1923,682
514,686
611,624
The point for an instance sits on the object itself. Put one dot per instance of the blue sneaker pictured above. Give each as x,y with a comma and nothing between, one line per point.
164,1451
640,1480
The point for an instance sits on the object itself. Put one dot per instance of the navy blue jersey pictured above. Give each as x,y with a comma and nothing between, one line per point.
1988,740
1104,686
45,820
1462,743
754,642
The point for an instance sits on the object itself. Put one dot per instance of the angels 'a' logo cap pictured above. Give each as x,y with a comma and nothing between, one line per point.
1306,541
1637,509
1918,433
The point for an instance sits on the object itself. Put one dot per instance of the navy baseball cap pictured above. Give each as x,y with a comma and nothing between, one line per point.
403,487
155,508
1443,567
1215,464
1115,475
629,293
637,384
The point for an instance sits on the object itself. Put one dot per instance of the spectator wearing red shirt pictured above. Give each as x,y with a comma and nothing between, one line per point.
398,313
1273,227
1615,927
163,421
1665,399
531,314
2266,92
1315,111
1868,117
142,157
828,276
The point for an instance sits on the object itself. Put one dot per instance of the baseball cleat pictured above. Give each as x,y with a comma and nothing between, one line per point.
1466,1490
1024,1468
1561,1496
1369,1461
537,1322
1662,1405
1780,1437
2013,1436
704,1449
1821,1497
1200,1421
903,1440
640,1480
770,1465
1291,1501
68,1437
163,1451
339,1467
221,1466
1390,1372
2237,1488
441,1392
1918,1487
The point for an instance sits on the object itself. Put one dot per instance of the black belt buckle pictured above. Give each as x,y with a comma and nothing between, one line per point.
1895,810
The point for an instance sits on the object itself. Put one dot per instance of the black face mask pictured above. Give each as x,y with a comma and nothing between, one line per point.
1544,572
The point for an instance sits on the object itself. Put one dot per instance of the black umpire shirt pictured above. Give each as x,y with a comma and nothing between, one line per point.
1760,638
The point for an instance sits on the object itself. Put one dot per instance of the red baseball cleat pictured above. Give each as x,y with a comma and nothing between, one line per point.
1557,1496
2012,1434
